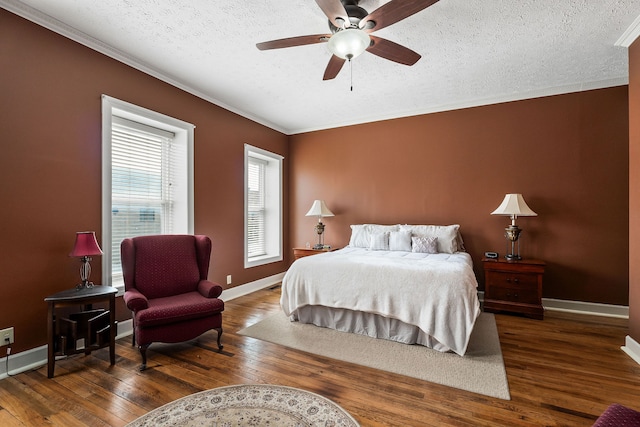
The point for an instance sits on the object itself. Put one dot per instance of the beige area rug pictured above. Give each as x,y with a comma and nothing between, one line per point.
249,405
481,370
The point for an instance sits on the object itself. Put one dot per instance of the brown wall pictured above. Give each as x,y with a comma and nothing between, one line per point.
50,167
634,191
568,156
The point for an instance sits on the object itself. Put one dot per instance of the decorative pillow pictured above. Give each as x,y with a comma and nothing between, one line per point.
400,241
447,235
426,245
379,242
359,237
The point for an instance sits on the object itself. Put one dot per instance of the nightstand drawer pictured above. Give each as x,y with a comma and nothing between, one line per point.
510,279
514,294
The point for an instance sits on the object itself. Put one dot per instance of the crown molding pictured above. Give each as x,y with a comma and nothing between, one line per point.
630,35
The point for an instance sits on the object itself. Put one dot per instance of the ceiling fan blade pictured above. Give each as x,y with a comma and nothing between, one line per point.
392,12
392,51
293,41
335,11
333,68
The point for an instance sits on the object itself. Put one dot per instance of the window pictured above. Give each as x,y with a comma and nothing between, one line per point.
263,207
147,173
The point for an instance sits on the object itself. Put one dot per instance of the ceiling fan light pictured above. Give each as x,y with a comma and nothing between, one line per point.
349,43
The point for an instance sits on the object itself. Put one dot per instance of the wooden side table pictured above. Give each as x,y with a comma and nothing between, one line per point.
302,252
514,286
96,327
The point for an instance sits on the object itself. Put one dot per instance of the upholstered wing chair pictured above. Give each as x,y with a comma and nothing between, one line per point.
166,288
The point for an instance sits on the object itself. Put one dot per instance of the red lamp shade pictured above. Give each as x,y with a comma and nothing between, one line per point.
86,245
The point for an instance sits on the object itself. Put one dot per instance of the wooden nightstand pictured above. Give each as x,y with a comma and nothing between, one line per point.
302,252
514,286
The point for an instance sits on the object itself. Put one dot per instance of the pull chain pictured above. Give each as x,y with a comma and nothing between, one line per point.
351,73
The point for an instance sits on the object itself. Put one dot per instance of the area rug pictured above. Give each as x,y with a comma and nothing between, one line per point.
481,370
249,405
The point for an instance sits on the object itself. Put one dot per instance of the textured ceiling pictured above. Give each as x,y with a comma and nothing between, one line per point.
473,53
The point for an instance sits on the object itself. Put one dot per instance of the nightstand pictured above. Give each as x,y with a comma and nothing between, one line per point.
302,252
514,286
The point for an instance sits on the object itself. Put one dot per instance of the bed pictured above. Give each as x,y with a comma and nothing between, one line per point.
408,283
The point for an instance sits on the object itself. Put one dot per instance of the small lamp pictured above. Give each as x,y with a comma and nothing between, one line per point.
514,206
320,210
85,247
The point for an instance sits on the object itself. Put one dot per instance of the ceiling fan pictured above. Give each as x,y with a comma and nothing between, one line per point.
351,27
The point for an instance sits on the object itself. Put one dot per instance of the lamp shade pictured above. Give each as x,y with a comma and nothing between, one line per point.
349,43
514,205
319,209
86,245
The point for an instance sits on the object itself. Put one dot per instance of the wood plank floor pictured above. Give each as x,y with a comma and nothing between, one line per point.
563,371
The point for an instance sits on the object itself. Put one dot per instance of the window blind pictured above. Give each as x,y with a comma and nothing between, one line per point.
256,207
143,166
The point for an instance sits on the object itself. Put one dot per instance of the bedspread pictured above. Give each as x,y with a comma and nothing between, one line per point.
435,292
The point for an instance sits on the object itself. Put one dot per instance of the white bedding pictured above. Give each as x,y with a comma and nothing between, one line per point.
435,292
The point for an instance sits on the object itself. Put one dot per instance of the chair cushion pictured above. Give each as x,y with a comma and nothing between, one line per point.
166,265
190,305
617,415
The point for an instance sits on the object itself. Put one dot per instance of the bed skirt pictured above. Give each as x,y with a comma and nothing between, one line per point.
370,324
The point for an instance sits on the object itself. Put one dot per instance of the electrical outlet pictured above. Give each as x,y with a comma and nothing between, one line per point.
229,279
6,336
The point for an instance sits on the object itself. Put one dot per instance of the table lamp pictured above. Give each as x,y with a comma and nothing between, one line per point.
85,247
319,209
514,206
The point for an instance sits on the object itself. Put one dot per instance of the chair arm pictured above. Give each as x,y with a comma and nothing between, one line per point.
135,300
209,289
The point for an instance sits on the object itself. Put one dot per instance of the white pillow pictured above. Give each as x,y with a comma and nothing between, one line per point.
447,235
426,245
359,237
400,241
377,228
379,242
361,233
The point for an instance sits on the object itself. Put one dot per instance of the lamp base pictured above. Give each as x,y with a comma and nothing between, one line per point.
512,257
318,246
84,285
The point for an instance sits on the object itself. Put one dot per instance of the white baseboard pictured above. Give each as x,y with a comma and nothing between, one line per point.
36,357
632,348
581,307
238,291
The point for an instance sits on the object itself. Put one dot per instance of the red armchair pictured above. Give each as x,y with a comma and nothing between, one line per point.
166,288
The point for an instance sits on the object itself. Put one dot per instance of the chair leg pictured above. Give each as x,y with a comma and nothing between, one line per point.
219,336
133,335
143,353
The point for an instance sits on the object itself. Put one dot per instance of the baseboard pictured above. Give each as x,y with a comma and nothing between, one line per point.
581,307
632,348
238,291
36,357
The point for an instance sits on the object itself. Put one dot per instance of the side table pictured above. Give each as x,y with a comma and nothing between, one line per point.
96,327
514,286
302,252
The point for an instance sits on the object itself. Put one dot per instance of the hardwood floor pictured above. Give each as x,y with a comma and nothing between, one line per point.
562,371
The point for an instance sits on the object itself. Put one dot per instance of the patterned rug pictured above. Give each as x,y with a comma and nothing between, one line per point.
249,405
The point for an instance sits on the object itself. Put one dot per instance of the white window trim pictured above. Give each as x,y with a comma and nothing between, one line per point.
110,107
275,254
